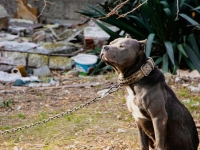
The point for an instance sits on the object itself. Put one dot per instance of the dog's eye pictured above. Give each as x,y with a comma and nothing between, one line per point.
121,45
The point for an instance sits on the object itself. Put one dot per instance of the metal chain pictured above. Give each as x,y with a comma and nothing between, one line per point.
109,91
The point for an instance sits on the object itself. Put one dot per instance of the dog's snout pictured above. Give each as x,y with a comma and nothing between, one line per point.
106,48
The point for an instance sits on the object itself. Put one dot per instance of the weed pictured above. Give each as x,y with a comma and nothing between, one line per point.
41,95
22,116
69,118
6,103
42,115
193,101
6,127
183,93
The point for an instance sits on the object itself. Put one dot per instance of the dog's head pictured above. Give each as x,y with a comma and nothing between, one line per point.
122,52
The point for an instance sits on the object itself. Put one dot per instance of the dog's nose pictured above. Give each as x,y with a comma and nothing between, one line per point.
106,48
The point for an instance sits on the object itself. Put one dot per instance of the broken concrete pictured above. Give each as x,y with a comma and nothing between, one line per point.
37,45
3,18
95,37
33,55
42,71
22,27
7,37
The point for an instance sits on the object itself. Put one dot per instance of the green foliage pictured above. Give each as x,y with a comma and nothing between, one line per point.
22,116
173,39
6,103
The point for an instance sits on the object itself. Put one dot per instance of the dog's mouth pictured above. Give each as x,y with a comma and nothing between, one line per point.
105,60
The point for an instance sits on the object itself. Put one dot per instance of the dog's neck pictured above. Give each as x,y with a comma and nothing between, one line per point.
135,66
136,71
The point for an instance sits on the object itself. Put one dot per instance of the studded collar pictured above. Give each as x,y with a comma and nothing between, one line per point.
138,75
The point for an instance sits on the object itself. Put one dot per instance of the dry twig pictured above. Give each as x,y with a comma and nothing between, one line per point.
124,15
115,10
177,5
45,4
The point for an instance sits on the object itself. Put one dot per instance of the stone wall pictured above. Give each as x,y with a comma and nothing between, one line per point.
61,10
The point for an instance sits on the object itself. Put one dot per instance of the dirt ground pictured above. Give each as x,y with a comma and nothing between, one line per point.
105,124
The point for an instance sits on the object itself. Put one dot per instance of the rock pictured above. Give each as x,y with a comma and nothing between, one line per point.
22,47
3,18
194,89
70,147
5,68
61,47
187,73
185,85
18,107
121,130
20,31
53,82
168,77
34,85
73,73
13,58
33,55
42,71
102,92
39,36
1,86
195,105
37,60
58,62
7,37
119,117
186,101
177,80
27,25
46,84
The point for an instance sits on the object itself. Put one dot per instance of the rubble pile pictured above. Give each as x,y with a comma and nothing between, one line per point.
30,50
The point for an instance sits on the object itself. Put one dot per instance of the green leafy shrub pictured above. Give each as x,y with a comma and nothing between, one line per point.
172,32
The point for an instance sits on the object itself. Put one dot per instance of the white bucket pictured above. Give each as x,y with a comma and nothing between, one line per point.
85,63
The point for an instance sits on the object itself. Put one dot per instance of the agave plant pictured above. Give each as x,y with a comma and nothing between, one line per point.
171,27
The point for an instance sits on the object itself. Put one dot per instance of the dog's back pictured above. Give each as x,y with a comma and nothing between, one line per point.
181,130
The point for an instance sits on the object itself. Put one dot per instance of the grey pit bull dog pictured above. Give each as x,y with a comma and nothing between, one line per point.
163,122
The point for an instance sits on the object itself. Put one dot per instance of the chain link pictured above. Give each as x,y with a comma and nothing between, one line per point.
109,91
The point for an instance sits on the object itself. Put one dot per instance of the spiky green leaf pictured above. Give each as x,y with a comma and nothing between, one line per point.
192,56
165,65
149,44
170,52
190,20
180,48
159,60
193,44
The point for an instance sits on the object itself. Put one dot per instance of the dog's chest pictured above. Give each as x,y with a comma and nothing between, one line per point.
132,107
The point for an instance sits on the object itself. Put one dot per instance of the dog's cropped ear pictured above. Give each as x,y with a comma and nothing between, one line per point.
142,44
127,36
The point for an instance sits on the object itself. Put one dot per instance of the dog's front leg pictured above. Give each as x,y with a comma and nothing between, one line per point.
159,118
144,145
